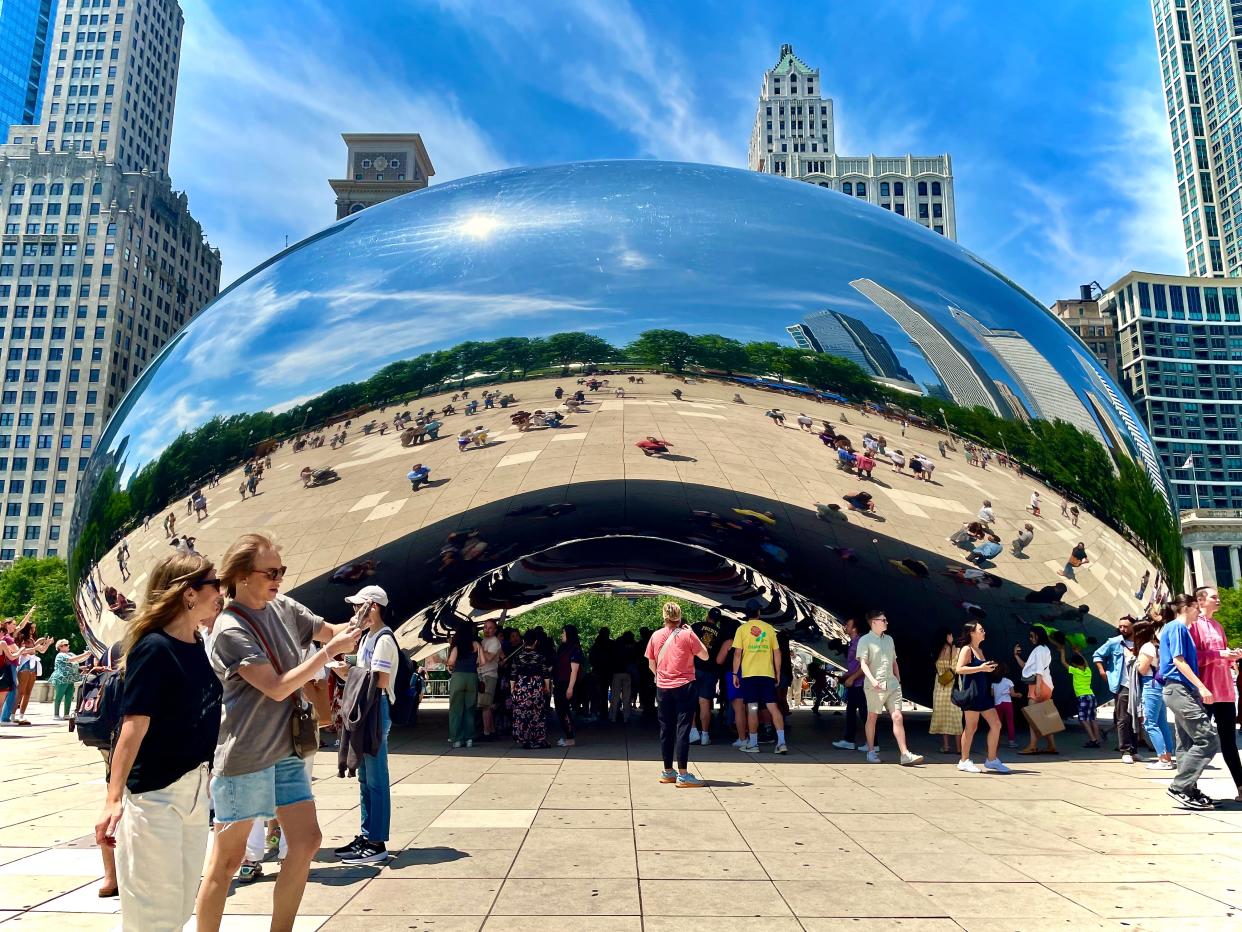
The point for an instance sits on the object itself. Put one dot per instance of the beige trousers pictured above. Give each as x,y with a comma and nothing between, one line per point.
161,843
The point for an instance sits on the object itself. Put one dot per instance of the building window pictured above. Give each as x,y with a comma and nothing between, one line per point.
922,189
935,189
847,187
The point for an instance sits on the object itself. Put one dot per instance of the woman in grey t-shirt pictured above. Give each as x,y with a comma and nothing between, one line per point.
256,772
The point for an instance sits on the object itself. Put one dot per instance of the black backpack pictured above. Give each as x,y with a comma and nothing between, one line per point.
98,717
403,708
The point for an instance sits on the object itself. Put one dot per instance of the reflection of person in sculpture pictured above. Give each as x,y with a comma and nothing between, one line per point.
653,445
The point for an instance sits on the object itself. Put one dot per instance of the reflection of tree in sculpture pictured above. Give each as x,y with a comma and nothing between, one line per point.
1060,454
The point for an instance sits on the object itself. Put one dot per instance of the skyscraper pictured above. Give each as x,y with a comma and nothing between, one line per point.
380,166
101,263
793,136
1197,41
964,382
23,59
1044,387
1181,363
841,335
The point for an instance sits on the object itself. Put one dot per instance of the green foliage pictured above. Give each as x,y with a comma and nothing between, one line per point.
45,584
1230,615
591,611
664,349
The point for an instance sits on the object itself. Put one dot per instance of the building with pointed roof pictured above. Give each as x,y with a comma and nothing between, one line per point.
793,136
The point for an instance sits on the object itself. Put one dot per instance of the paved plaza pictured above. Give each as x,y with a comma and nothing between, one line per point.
497,838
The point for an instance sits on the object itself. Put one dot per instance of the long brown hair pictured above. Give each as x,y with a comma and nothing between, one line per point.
164,600
238,560
1176,603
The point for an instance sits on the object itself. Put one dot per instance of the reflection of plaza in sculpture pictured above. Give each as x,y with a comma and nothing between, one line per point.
397,308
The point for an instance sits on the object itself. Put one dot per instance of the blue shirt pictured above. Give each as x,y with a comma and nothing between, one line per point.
988,548
1112,654
1175,641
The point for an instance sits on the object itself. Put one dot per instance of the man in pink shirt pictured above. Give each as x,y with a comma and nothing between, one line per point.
1218,669
671,652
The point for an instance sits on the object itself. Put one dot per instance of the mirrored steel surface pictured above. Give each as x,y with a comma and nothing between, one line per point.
395,308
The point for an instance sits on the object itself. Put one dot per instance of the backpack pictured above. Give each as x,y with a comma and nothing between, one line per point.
98,717
403,709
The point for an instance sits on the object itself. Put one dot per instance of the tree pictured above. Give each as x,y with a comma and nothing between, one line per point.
669,349
45,584
566,349
768,358
1230,614
470,357
712,351
518,354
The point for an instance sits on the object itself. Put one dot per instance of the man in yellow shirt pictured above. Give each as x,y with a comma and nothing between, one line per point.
756,669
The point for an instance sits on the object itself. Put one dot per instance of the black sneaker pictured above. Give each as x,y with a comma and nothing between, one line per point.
1202,797
369,852
346,850
1190,800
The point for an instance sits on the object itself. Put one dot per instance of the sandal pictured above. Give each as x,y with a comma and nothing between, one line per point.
250,872
1029,753
109,892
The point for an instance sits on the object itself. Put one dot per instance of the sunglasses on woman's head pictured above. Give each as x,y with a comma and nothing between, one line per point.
275,573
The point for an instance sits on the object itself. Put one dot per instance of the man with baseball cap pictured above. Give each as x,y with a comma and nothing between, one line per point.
377,652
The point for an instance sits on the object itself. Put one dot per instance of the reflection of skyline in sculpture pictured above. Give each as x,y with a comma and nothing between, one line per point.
1048,394
839,334
961,376
1138,439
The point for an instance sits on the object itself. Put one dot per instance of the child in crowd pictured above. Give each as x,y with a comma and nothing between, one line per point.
1003,694
1080,672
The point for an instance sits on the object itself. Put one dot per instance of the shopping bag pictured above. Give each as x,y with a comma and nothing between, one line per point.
1044,717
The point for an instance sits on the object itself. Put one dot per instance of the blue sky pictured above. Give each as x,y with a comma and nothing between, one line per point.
1052,111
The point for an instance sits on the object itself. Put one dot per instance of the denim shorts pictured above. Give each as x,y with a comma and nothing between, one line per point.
258,795
1086,708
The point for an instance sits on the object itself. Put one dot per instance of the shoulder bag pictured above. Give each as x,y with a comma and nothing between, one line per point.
304,722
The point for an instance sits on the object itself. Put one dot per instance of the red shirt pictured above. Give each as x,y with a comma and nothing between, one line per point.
676,668
1214,670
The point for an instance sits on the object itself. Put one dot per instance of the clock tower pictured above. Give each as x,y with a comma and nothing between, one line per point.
380,166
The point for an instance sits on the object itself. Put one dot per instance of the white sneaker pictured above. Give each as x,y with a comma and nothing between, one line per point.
1127,758
1162,765
694,735
740,743
843,745
470,743
781,749
750,749
704,738
911,760
861,747
968,766
996,766
873,756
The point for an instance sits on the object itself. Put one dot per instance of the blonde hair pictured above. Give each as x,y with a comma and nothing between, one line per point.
64,641
164,600
239,559
672,612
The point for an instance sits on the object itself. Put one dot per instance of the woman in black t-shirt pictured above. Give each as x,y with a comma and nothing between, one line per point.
569,661
156,813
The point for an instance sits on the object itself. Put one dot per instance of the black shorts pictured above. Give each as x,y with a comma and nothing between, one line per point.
706,684
7,679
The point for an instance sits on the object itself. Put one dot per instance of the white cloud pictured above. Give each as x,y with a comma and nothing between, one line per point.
618,68
258,124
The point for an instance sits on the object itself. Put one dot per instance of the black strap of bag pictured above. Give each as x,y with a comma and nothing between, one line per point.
304,723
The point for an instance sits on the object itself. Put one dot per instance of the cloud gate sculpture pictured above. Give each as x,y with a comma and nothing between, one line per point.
591,362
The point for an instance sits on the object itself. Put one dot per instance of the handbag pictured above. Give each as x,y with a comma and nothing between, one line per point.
1044,717
962,694
304,721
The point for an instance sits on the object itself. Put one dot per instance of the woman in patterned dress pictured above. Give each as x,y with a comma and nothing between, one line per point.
946,719
531,684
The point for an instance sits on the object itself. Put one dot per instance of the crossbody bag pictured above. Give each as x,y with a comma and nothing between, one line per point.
304,721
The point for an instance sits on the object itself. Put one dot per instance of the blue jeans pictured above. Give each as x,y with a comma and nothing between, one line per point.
373,783
1156,719
10,703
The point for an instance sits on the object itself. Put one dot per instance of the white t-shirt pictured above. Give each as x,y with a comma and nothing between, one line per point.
378,653
1000,691
1149,650
491,646
1039,664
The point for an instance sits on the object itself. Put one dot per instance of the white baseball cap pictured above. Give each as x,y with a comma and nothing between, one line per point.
368,594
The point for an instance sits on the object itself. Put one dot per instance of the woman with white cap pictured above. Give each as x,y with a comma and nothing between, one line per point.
378,654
